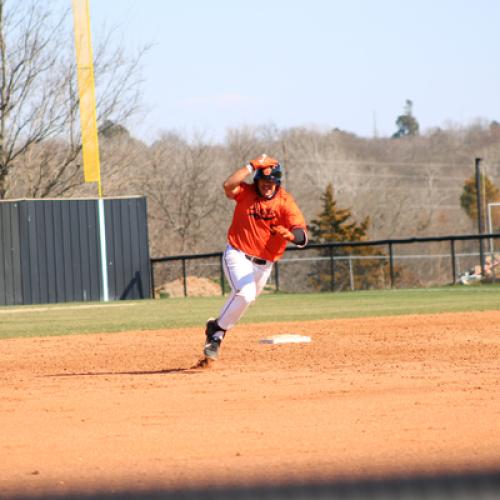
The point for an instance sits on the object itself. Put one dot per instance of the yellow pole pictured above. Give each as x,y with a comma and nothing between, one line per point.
86,90
88,122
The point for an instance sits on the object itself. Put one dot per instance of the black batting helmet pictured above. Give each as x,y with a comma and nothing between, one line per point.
270,173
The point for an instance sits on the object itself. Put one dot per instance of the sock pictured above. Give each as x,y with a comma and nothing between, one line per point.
219,335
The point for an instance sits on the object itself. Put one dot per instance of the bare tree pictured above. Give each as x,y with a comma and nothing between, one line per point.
245,143
183,184
39,125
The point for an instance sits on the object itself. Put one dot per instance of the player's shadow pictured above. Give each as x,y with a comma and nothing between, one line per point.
167,371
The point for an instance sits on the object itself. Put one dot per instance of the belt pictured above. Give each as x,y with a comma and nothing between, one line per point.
256,260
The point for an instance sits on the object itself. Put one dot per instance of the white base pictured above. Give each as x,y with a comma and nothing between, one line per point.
286,338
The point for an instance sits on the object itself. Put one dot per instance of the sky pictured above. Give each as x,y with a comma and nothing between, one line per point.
348,64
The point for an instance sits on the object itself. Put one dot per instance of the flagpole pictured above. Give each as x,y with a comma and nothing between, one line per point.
88,122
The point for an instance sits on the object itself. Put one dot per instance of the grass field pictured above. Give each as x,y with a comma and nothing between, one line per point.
77,318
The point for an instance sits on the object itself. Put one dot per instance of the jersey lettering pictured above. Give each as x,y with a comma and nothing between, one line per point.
262,213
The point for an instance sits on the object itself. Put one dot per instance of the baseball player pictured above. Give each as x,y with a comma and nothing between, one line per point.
265,219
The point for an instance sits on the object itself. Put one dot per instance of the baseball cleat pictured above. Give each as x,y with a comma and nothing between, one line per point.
214,335
211,350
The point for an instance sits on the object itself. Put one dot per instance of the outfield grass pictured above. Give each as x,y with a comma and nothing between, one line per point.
76,318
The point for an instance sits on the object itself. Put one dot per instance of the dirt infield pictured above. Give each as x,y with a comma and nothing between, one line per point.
366,397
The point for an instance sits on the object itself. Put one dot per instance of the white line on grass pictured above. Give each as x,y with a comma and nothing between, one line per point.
56,308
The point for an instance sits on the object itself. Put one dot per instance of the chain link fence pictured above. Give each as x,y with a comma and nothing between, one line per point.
337,267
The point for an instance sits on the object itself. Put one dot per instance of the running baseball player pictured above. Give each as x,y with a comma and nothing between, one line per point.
265,219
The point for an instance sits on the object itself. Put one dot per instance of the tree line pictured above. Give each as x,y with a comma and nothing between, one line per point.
413,183
415,186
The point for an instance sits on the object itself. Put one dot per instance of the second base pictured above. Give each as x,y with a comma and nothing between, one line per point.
287,338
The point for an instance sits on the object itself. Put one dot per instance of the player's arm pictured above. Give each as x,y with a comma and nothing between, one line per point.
295,235
232,183
294,228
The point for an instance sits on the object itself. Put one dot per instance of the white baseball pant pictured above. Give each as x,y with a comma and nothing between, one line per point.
247,280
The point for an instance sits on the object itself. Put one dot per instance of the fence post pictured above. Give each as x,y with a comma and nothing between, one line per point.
152,277
332,270
222,286
391,264
453,261
184,277
277,276
479,202
351,276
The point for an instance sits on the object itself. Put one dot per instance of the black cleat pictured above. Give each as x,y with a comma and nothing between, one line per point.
211,350
211,327
212,344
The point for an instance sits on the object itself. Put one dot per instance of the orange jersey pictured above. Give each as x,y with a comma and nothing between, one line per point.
250,230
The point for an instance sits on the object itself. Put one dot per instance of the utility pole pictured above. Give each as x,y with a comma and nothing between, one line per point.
480,226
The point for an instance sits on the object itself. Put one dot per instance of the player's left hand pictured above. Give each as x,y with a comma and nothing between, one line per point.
283,232
263,162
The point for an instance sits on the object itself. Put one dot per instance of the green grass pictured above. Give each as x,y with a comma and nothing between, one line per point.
76,318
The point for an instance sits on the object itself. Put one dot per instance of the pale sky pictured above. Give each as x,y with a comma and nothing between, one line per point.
349,64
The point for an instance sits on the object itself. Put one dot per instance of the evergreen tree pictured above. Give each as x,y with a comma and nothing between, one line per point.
332,223
111,130
335,224
468,199
407,124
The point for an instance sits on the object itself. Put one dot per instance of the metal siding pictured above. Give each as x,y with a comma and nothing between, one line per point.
24,228
49,250
59,258
70,257
50,262
121,249
38,269
139,248
143,247
67,259
128,258
94,255
10,261
84,250
117,254
145,256
126,290
76,269
4,245
26,217
132,290
116,243
16,255
135,250
34,251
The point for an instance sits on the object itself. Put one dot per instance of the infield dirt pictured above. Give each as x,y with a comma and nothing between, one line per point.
367,397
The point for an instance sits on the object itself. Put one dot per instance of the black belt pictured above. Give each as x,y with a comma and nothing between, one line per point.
256,260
